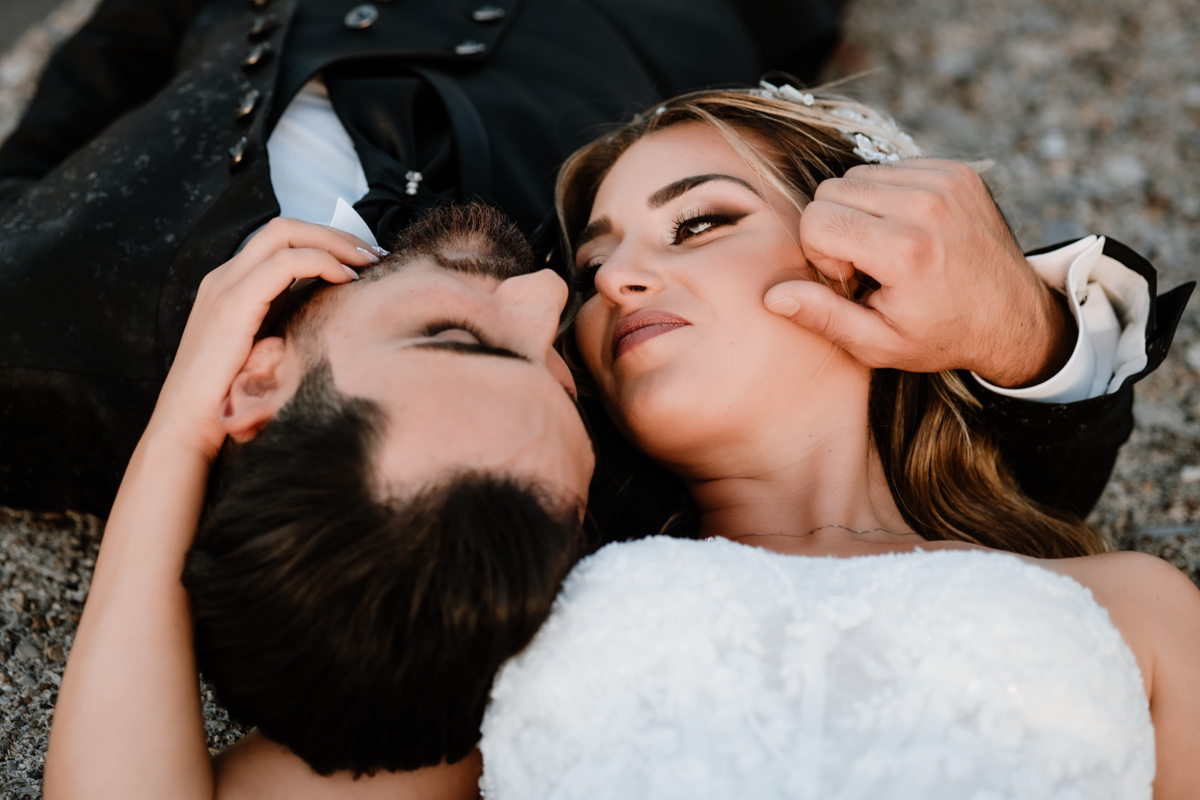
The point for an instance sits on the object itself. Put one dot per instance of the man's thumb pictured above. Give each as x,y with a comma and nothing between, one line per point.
823,311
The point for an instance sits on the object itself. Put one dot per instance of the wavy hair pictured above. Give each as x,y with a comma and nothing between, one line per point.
942,462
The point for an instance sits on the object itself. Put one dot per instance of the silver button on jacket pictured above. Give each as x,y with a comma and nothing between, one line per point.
488,13
360,17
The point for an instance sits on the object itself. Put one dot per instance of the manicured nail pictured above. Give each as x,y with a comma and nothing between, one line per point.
374,258
784,306
380,250
353,275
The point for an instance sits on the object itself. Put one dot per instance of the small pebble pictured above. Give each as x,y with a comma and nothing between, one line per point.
27,651
1192,356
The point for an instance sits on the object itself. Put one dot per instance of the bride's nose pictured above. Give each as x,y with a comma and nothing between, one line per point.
623,277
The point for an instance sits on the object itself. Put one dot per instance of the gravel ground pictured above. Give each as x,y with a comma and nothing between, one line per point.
1091,110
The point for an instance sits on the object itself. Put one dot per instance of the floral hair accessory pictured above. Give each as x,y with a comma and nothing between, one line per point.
862,132
785,92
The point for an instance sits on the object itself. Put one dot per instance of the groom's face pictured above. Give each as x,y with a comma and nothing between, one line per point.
465,368
457,347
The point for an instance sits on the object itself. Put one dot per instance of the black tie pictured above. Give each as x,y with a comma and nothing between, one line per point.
404,138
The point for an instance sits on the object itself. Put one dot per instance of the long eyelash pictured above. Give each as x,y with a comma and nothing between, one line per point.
689,219
585,276
434,328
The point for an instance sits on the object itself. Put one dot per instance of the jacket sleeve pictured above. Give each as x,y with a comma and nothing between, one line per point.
117,61
1062,454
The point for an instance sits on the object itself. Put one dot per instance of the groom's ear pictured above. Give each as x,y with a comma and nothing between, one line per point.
266,381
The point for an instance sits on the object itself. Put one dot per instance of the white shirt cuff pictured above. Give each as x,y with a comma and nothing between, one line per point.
1111,306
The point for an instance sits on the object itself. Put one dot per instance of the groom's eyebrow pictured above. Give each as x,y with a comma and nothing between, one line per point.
684,185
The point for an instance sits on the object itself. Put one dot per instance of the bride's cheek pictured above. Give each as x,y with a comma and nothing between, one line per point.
586,337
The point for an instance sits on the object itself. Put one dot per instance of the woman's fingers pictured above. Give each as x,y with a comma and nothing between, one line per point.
284,234
237,306
221,329
231,304
279,271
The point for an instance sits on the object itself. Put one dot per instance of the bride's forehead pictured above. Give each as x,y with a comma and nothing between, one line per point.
667,155
681,142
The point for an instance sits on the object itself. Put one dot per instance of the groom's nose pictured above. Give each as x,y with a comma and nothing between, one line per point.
531,306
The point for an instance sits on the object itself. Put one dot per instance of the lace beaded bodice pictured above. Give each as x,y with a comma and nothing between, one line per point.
684,669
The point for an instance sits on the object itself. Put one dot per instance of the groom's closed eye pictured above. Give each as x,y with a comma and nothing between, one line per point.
472,348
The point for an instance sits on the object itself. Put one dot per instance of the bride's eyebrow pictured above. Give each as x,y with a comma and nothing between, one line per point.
604,225
683,185
596,228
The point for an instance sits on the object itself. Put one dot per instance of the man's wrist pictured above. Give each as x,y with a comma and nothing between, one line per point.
1047,347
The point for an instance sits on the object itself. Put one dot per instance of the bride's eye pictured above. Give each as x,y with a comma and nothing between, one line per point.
687,227
585,277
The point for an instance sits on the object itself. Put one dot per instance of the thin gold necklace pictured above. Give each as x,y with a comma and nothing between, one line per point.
814,530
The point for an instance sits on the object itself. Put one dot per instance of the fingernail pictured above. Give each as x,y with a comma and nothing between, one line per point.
353,275
374,258
380,250
784,306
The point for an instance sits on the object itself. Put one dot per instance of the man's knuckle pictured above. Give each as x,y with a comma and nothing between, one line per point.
960,175
962,170
912,246
826,189
848,225
859,189
929,203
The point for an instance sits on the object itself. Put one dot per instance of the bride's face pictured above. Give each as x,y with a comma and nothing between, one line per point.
682,243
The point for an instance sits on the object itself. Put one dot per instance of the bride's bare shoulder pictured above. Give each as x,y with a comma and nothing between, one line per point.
1130,576
1154,605
1157,610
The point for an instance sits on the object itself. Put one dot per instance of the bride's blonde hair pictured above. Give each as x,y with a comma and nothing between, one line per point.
942,461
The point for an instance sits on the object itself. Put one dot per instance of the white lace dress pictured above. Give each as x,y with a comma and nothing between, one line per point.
681,669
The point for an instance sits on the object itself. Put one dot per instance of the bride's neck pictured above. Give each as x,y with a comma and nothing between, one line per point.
792,475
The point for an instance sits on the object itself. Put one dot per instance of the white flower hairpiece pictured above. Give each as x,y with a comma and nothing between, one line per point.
785,92
868,147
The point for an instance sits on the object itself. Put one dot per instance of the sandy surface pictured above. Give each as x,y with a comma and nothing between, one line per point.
1091,110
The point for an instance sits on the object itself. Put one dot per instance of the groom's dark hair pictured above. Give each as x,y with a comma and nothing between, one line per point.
361,633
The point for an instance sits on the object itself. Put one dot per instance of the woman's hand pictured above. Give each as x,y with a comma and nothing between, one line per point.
128,723
230,307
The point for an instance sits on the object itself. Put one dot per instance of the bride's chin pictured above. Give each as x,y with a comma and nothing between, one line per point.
664,423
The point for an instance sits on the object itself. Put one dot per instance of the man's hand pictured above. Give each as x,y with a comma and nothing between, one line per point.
955,290
230,307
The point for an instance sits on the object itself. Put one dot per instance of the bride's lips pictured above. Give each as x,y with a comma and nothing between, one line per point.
642,325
